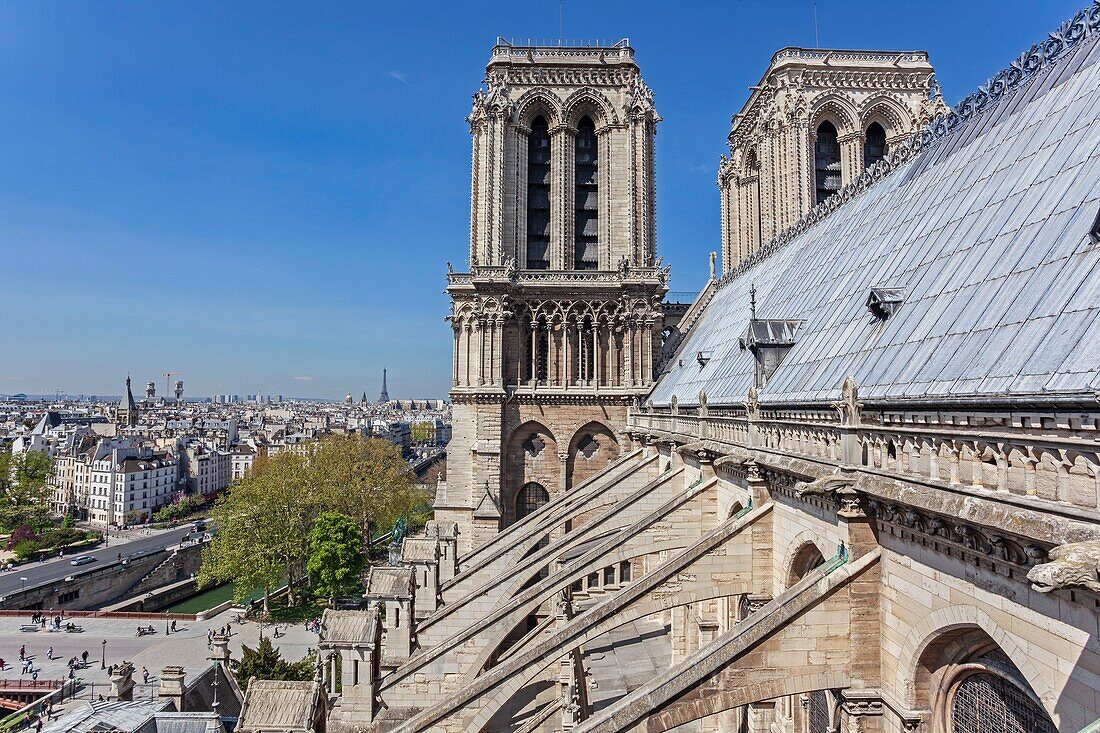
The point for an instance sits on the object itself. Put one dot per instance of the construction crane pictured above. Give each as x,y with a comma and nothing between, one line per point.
168,382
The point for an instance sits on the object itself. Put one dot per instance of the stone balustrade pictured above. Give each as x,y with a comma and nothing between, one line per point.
1053,455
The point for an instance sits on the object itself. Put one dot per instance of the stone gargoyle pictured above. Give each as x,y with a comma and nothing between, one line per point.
736,457
1073,565
825,486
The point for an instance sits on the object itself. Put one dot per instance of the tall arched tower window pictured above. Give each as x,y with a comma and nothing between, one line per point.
586,198
826,161
874,145
538,196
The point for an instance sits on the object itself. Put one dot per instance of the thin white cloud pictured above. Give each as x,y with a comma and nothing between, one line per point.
400,76
304,379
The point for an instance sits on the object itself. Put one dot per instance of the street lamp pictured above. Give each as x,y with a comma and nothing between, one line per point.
166,632
103,655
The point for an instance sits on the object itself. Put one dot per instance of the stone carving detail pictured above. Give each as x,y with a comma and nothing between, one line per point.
752,404
1074,565
835,485
641,100
849,404
994,546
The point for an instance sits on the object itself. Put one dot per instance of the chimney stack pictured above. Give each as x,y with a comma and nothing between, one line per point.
172,687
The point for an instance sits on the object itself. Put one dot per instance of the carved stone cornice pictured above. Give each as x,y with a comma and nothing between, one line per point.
522,76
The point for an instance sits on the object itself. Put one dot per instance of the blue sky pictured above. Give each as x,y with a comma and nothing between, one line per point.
261,196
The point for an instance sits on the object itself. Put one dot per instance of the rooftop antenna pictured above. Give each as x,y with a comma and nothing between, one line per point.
817,39
561,21
752,302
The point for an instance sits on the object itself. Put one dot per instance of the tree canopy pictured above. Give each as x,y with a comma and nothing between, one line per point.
24,489
335,554
264,522
265,662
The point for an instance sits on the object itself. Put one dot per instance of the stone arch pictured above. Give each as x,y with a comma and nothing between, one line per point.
804,556
886,111
591,103
835,108
535,102
720,700
530,456
945,626
592,448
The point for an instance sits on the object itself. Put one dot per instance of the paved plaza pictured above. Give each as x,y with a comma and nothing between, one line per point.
187,647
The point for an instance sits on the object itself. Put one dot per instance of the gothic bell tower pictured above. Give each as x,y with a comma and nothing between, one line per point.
557,324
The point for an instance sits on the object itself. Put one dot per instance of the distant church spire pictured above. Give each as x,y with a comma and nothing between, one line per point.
385,396
127,407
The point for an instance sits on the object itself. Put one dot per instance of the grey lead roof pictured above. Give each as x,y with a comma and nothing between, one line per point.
987,232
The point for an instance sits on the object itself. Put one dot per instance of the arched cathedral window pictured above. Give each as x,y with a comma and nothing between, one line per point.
988,703
538,196
530,499
826,161
586,196
874,145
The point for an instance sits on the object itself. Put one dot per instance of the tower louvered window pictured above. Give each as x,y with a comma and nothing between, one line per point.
537,358
538,196
586,196
874,145
826,161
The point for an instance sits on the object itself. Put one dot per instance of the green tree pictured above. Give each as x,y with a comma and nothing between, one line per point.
368,480
263,522
265,662
335,554
24,489
422,432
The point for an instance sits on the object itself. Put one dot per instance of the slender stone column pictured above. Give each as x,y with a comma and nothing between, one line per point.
454,357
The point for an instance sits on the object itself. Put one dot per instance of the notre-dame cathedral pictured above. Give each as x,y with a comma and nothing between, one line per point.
558,324
853,487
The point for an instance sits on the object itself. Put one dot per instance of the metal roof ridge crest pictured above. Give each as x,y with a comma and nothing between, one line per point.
1040,57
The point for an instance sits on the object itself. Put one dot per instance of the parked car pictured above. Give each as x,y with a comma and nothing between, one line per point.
82,560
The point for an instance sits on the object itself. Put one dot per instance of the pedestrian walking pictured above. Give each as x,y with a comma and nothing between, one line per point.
22,652
145,675
84,656
34,678
49,654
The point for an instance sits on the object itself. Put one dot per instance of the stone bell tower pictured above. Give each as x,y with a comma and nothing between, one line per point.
558,322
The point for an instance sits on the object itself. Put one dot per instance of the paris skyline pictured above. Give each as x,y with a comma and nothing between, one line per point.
196,188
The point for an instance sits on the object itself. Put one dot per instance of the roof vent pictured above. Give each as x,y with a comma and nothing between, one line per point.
882,302
1095,232
703,357
769,340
